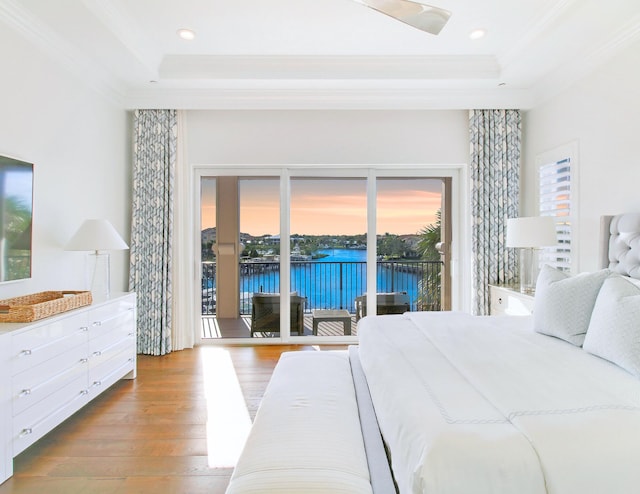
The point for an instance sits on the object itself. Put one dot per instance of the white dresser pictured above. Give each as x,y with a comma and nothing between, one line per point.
508,300
51,368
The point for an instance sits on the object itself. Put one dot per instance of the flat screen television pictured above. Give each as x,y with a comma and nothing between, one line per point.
16,215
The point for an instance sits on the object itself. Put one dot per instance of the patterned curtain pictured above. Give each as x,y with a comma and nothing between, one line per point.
154,157
495,189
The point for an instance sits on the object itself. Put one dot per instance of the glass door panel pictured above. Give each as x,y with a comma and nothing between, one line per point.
208,241
259,266
328,224
408,225
240,249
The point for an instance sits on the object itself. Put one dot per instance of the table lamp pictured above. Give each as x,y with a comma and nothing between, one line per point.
97,236
529,235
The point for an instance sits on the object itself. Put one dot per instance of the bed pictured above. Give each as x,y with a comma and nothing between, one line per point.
550,403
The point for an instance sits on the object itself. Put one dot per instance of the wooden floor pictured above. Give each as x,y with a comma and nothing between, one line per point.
152,434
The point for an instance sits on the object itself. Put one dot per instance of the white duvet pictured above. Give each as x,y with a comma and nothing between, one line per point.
474,405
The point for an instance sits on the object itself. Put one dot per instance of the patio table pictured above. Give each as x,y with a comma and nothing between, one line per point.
327,315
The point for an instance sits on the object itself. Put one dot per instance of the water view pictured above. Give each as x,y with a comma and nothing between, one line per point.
333,281
328,247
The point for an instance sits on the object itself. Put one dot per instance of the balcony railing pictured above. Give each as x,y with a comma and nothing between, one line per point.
331,285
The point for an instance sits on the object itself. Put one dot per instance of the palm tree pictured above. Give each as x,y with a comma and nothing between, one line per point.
430,236
429,284
15,236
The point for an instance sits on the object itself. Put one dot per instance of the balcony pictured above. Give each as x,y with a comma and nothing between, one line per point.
325,285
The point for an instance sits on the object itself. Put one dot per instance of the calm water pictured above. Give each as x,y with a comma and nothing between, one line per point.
343,255
332,282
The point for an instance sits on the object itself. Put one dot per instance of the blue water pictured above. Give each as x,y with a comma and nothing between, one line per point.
343,255
332,282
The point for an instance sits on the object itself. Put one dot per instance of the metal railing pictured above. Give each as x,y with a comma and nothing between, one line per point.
331,285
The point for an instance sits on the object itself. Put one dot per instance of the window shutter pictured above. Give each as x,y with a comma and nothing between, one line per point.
555,201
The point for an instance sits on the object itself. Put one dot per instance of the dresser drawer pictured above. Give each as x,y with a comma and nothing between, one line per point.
111,316
36,421
38,382
507,301
106,372
50,369
104,338
109,349
37,345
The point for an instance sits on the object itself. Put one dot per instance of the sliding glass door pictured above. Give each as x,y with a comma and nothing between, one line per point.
300,254
328,224
209,285
240,256
409,214
259,263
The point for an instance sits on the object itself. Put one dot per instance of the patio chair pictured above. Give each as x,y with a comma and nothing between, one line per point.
386,303
265,313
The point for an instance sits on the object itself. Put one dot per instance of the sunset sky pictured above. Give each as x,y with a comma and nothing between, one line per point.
331,207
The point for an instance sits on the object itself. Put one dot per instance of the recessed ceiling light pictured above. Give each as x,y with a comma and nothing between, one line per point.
477,34
187,34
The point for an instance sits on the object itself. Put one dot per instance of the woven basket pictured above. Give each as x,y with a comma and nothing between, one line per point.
42,304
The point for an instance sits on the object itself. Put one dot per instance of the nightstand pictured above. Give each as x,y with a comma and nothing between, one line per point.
509,301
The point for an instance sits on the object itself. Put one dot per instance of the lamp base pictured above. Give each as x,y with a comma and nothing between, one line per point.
98,275
528,270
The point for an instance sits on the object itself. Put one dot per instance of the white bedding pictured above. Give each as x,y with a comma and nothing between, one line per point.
485,405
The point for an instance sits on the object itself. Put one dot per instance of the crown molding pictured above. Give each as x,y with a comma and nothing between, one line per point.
127,31
329,99
216,67
46,40
551,85
315,82
537,29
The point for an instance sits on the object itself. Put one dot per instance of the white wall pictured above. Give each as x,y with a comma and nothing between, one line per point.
78,142
602,114
328,137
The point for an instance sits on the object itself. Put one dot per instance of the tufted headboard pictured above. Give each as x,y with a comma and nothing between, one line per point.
620,244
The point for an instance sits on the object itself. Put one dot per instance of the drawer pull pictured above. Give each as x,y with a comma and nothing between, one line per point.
52,342
117,370
117,315
108,348
29,430
84,360
500,300
84,329
26,432
97,383
55,377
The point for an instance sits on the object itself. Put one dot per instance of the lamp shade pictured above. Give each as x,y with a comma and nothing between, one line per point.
531,232
96,235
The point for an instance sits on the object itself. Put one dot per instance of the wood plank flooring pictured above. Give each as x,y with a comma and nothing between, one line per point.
149,435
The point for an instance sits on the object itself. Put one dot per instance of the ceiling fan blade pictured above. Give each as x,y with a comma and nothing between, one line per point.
424,17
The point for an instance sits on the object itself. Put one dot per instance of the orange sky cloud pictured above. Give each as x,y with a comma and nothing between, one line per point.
332,207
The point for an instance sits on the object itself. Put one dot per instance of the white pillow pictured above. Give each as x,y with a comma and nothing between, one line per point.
563,303
614,330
